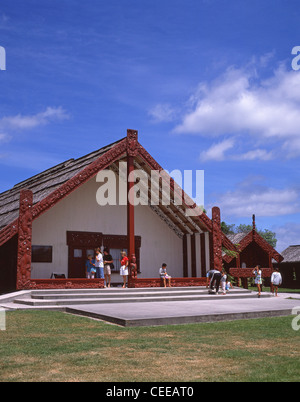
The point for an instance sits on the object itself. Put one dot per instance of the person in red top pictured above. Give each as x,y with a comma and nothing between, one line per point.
124,267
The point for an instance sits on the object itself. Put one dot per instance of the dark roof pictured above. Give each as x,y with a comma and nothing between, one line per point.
44,184
237,237
291,254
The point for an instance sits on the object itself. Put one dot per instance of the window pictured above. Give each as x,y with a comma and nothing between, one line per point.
77,253
42,254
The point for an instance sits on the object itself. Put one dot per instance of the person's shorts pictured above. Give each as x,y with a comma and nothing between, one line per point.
107,270
124,271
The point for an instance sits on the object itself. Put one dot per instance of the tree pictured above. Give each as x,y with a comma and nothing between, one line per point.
227,229
266,234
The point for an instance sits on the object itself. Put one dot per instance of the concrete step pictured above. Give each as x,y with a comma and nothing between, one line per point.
126,294
132,299
119,290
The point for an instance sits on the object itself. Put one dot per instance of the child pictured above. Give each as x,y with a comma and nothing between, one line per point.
90,269
228,285
223,282
164,275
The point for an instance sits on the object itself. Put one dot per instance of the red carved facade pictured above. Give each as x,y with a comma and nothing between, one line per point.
253,250
24,240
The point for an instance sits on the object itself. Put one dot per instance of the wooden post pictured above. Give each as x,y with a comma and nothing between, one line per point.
130,208
217,238
132,151
24,240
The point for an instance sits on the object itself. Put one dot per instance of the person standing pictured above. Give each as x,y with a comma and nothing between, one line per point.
108,261
276,280
124,267
99,264
258,278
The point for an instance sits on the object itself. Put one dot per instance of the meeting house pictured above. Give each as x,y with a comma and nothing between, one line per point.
51,222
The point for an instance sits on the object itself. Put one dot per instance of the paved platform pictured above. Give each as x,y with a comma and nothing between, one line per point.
187,312
151,307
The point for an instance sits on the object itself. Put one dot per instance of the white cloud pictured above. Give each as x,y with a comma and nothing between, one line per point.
257,154
238,103
217,151
162,113
251,198
287,235
20,122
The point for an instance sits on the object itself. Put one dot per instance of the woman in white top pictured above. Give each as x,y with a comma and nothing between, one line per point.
99,264
258,278
276,280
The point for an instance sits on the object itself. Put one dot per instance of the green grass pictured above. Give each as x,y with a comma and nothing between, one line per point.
280,290
53,346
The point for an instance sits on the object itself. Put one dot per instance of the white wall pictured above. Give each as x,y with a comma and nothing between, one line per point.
80,212
159,244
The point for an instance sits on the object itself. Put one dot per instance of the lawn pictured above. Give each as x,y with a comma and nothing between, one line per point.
280,290
54,346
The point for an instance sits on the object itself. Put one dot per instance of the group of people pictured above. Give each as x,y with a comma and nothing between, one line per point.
101,266
276,280
215,279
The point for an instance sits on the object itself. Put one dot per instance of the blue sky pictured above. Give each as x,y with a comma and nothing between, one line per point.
208,84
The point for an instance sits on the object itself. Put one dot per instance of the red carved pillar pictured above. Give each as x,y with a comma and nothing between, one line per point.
132,151
24,240
203,254
132,272
217,238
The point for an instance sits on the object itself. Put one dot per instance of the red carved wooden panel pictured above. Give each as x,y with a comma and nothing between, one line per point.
248,272
175,282
66,284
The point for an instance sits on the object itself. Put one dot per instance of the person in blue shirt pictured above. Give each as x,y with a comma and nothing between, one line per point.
90,268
